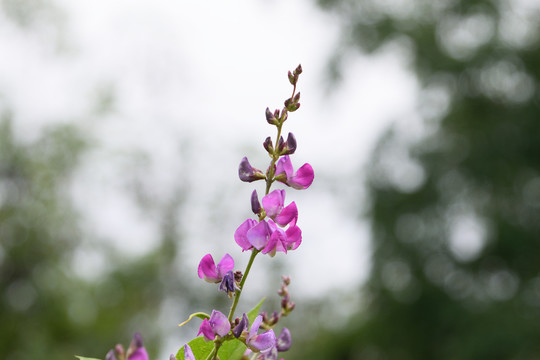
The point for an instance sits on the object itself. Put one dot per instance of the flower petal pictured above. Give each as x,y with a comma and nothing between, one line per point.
273,203
220,323
294,237
258,235
287,215
207,269
263,342
206,330
284,165
255,326
240,234
225,265
283,341
302,179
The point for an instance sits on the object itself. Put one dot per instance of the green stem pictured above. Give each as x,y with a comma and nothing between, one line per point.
241,286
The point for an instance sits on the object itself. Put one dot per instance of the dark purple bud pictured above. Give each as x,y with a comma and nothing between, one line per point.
255,204
110,355
271,118
248,173
290,146
172,357
241,327
284,340
275,318
268,145
298,70
296,98
280,145
227,284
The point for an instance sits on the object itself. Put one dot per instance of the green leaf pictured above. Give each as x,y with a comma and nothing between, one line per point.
201,349
200,315
230,350
85,358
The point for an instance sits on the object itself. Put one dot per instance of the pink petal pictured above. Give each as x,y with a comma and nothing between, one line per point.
225,265
220,323
276,243
207,269
287,215
259,235
206,330
273,203
294,237
303,178
284,165
240,234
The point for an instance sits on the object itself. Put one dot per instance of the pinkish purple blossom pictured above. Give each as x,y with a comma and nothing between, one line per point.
268,236
209,272
260,342
218,324
301,179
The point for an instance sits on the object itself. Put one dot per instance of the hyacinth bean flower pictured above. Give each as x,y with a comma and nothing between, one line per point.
136,350
188,354
218,324
248,173
301,179
209,272
267,236
260,342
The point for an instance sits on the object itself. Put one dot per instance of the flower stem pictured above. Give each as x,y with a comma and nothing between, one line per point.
241,286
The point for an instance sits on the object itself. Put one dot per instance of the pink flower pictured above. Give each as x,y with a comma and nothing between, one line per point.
209,272
136,350
301,179
218,324
268,236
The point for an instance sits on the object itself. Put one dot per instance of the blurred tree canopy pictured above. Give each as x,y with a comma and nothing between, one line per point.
456,214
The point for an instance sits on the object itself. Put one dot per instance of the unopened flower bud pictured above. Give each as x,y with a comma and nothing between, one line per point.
238,276
248,173
110,355
241,326
255,204
280,145
298,70
271,118
268,145
291,106
292,78
286,279
288,147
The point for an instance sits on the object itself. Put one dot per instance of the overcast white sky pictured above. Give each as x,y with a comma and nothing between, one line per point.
199,74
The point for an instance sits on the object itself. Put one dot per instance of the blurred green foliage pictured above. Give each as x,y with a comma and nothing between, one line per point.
455,215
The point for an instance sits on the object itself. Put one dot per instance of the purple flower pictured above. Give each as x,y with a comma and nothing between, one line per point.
242,325
260,342
188,354
301,179
273,205
248,173
218,324
212,273
283,341
267,236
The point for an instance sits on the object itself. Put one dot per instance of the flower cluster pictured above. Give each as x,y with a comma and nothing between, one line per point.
274,230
